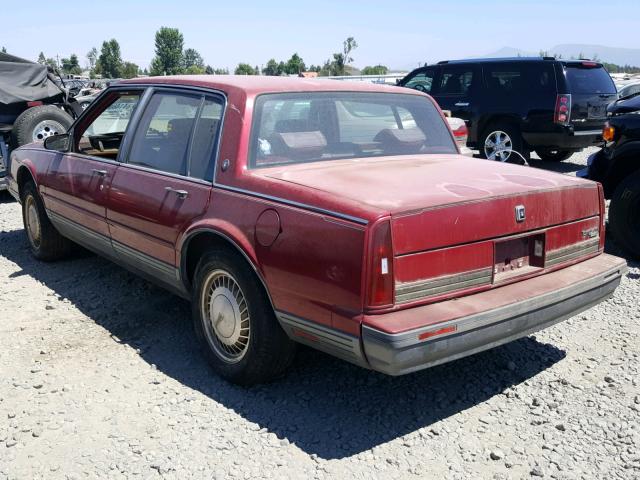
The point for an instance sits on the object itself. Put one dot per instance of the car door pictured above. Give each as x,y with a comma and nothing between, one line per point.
166,180
454,91
421,79
77,183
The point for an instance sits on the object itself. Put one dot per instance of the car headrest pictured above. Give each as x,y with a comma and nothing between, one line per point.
408,140
298,145
292,125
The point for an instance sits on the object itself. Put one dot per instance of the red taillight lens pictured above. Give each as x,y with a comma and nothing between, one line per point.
380,288
461,132
603,211
562,113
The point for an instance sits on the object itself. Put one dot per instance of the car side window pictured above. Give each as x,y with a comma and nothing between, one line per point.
422,81
519,79
178,133
455,81
106,128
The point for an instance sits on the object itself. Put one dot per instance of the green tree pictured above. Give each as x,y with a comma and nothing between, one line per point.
244,69
195,70
271,68
71,65
294,65
42,60
375,70
51,62
192,58
129,70
109,62
92,56
169,56
4,49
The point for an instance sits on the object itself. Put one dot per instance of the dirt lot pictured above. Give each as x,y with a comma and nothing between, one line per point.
100,378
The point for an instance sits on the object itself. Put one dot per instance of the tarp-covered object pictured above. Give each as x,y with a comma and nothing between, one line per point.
24,81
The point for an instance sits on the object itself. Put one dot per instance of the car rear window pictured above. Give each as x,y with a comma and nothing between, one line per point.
589,80
324,126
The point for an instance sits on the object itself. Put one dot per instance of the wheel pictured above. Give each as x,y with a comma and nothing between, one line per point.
550,155
235,323
498,142
624,214
45,241
37,123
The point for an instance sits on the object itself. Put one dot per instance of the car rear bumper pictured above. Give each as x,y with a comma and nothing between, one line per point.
482,321
565,140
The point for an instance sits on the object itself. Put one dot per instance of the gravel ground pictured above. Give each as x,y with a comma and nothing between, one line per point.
100,378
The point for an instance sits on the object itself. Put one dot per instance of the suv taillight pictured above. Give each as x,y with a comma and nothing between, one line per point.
562,113
380,284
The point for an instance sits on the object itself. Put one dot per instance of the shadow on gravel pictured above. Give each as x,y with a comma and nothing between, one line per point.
5,197
560,167
325,406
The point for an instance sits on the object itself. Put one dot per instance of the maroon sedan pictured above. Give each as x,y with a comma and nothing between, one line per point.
339,215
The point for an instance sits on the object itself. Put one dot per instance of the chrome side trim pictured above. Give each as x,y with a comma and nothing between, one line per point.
587,132
284,201
409,291
572,252
145,262
323,338
80,234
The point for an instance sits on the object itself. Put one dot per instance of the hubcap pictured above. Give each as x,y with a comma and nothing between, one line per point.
47,128
498,146
33,222
225,314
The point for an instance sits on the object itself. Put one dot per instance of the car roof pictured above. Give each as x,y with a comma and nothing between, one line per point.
516,59
257,84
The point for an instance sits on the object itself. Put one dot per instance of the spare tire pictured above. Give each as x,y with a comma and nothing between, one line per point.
37,123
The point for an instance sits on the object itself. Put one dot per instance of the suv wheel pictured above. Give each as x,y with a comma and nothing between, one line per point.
499,141
550,155
235,323
37,123
624,213
45,241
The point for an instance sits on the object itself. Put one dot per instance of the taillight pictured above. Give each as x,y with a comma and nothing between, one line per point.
562,113
461,132
380,286
602,214
608,132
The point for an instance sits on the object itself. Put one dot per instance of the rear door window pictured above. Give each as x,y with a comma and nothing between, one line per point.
455,80
586,79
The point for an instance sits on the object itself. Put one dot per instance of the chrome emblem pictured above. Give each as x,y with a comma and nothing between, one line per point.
520,215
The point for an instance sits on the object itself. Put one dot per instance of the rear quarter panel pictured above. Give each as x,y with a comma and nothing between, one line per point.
36,160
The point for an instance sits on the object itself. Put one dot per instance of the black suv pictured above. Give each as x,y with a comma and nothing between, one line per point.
554,107
617,167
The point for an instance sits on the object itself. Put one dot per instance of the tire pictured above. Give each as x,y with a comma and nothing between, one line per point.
513,140
247,345
624,214
37,123
45,241
550,155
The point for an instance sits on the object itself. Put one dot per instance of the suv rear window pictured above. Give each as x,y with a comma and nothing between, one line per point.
589,80
323,126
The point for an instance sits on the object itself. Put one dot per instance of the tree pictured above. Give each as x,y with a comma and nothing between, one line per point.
71,65
51,62
129,70
169,57
195,70
294,65
92,56
109,62
4,49
42,60
244,69
271,68
375,70
348,46
192,58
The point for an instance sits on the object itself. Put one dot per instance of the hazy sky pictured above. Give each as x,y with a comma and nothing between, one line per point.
397,34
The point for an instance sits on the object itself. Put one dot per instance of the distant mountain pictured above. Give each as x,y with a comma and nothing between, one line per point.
619,56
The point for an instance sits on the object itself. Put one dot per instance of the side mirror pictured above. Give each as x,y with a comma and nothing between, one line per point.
59,143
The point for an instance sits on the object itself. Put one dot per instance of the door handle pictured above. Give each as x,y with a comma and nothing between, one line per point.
179,193
100,173
462,104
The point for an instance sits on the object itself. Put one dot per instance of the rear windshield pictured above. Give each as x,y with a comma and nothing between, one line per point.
589,80
324,126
